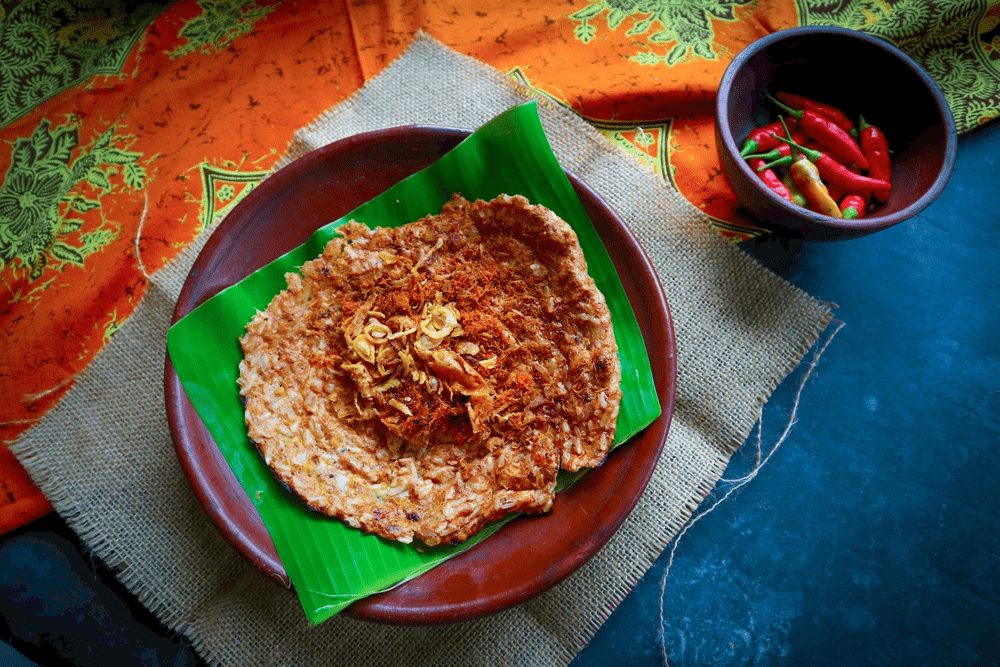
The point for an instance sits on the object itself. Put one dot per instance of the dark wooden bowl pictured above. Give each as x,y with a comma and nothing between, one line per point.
528,555
860,74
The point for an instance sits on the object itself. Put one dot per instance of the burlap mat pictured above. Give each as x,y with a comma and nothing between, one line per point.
105,458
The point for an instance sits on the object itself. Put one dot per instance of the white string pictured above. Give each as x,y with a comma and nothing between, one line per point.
757,457
138,233
645,155
31,398
19,422
740,482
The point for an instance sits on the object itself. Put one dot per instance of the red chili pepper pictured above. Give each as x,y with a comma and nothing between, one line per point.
828,133
836,191
839,191
760,139
876,148
836,173
771,179
804,103
783,150
816,146
854,205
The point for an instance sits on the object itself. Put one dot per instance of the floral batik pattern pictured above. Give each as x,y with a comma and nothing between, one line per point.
47,46
954,41
46,191
220,22
683,29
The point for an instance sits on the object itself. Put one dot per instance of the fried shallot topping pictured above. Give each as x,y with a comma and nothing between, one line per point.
438,374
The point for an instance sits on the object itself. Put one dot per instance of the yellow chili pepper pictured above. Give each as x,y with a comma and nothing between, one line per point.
806,176
797,195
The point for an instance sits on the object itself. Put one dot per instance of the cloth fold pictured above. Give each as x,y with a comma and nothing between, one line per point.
104,456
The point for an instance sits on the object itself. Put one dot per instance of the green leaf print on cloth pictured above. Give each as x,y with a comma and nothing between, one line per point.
47,46
952,39
220,22
687,26
44,193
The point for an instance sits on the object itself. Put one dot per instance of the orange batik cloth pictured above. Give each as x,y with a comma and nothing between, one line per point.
126,135
645,75
172,119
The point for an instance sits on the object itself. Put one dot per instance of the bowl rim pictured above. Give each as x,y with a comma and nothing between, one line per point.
852,228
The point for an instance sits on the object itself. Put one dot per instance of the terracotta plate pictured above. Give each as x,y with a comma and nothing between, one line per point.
527,556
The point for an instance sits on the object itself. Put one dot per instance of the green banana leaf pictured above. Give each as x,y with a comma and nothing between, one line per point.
330,564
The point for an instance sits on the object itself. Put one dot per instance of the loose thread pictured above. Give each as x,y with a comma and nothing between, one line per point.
138,233
31,398
645,155
740,482
19,422
757,454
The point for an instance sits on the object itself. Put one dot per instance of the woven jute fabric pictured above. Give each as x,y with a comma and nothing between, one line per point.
105,458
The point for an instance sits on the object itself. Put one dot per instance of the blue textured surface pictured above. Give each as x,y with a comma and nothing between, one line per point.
11,658
60,608
870,537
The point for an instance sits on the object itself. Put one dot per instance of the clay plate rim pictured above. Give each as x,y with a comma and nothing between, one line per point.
529,555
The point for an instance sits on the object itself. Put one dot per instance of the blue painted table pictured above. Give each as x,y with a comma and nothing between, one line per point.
870,537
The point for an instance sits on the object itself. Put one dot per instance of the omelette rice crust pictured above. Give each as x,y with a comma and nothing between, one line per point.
424,380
